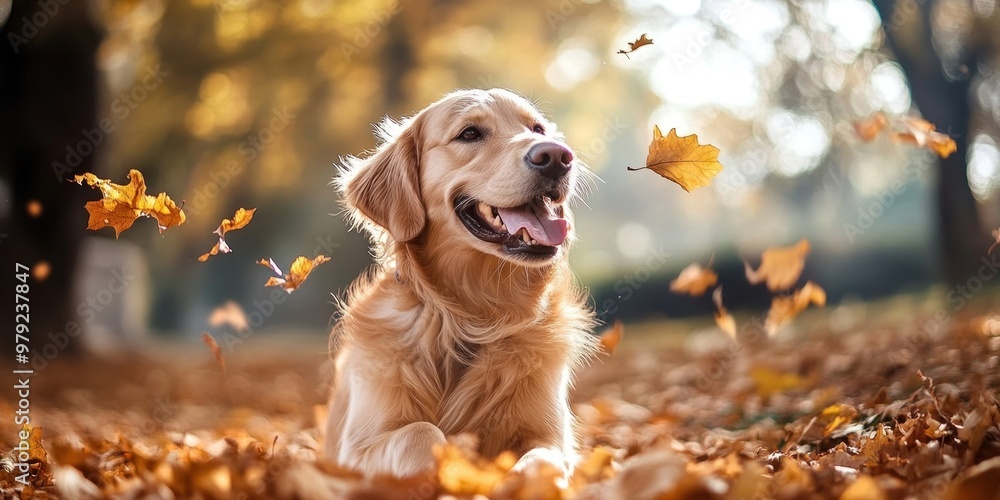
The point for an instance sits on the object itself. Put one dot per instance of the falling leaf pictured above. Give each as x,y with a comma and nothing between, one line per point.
632,46
682,159
239,221
694,280
784,308
865,488
121,205
922,133
297,274
725,321
34,209
996,236
230,314
779,267
41,270
216,350
611,337
869,128
770,382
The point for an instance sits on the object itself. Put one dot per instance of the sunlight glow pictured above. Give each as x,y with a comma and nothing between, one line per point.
984,166
574,63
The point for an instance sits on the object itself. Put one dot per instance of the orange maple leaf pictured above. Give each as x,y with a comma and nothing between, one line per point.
239,221
632,46
297,273
611,337
694,280
121,205
682,159
725,321
784,308
780,267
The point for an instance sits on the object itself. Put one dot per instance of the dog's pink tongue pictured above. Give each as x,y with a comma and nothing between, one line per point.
540,221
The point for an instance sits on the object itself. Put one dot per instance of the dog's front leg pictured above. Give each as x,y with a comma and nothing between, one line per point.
404,452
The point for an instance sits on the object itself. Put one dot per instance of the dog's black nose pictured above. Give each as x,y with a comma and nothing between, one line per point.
551,159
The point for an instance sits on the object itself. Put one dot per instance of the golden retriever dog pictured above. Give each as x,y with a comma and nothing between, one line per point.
470,321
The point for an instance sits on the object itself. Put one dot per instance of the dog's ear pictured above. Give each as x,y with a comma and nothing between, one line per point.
385,187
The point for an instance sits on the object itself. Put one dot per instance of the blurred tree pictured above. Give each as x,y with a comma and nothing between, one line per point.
940,85
48,98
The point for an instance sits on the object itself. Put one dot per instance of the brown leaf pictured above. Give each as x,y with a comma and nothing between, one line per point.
978,482
297,274
611,337
784,308
694,280
723,319
780,267
216,350
239,221
121,205
870,127
682,159
639,42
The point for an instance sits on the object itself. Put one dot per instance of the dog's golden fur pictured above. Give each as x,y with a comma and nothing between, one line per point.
448,334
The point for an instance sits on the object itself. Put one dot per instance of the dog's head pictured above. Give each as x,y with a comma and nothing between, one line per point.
482,169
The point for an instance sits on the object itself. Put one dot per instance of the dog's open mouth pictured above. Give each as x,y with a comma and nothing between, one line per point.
536,228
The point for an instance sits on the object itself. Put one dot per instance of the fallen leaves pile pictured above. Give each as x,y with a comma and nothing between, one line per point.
885,413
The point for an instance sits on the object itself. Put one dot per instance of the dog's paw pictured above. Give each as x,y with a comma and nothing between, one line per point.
545,461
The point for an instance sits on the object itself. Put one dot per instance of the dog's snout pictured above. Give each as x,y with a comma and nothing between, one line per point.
553,160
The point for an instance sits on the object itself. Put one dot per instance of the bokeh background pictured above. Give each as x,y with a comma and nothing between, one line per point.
251,103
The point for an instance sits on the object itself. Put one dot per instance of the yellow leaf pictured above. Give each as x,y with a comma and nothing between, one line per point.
239,221
682,159
780,267
770,382
297,274
123,204
922,133
784,308
694,280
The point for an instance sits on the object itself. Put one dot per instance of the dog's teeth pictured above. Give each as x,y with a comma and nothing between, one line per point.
534,242
525,237
496,222
503,227
484,211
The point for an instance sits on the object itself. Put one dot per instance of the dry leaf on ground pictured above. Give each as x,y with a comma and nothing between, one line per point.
779,267
632,46
297,273
239,221
694,280
784,308
725,321
682,159
611,337
121,205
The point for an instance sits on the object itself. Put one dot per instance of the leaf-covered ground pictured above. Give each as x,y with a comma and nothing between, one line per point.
830,410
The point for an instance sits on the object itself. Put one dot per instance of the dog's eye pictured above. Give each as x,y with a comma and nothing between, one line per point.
470,134
538,129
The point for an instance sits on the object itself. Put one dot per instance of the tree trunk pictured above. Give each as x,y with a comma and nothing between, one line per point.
944,101
48,100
